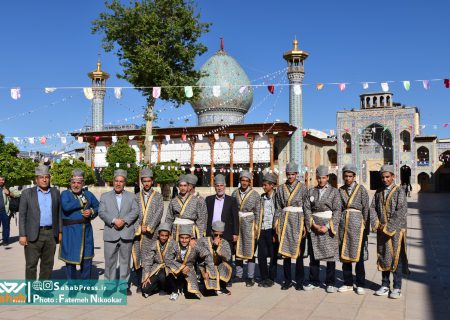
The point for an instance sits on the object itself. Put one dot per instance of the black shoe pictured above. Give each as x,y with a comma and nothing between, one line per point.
262,283
286,285
139,289
249,282
238,280
269,283
225,291
229,284
298,287
129,293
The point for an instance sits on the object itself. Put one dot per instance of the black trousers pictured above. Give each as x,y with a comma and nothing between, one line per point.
359,270
267,249
160,282
314,269
299,266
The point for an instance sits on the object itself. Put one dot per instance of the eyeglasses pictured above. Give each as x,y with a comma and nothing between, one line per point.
218,235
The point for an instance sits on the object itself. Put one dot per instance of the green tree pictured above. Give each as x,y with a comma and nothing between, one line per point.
165,177
17,171
157,43
125,156
62,172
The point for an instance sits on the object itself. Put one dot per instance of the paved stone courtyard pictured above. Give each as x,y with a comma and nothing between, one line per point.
425,293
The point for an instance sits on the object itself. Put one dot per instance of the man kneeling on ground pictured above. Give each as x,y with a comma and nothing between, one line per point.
220,250
156,259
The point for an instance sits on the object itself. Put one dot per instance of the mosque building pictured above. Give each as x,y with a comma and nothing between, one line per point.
380,132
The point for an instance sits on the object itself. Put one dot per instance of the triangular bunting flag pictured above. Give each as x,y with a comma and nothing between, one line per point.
406,85
216,91
118,93
49,90
156,92
365,85
319,86
297,89
426,84
188,91
341,86
88,93
271,88
15,93
385,86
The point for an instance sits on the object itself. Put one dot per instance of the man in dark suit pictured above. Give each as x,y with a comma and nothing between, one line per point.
222,207
39,225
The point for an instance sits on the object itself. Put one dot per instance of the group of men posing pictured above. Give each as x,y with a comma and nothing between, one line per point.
195,248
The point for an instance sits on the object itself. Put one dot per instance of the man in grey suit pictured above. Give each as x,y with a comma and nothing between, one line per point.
119,210
39,225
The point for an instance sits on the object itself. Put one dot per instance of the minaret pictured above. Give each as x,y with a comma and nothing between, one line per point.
98,78
295,59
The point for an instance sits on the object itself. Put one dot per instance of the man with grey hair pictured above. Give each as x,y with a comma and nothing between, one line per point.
151,208
352,230
78,208
39,225
388,213
249,204
323,214
118,210
222,207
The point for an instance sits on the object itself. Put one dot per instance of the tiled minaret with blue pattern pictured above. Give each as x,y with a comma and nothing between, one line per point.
295,72
98,78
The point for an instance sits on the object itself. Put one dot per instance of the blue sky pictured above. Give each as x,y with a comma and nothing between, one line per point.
49,44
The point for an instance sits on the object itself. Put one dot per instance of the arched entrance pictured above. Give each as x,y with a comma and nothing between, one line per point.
442,174
424,181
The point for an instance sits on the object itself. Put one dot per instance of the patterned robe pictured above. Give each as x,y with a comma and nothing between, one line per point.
221,256
355,214
77,239
192,255
392,239
155,258
325,246
189,209
202,211
289,225
150,215
248,233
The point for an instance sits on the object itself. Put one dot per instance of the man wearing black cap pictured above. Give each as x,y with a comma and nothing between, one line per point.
352,230
388,213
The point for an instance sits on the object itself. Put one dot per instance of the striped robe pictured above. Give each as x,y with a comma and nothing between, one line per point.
391,241
202,212
251,202
353,223
325,246
154,258
189,209
221,257
192,255
289,225
150,215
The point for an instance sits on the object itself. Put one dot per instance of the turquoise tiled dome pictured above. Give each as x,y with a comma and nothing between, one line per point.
231,105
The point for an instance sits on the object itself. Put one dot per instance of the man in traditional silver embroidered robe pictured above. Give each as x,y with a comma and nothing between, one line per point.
184,210
183,266
323,214
289,226
352,230
220,250
157,261
151,208
248,201
388,213
202,211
